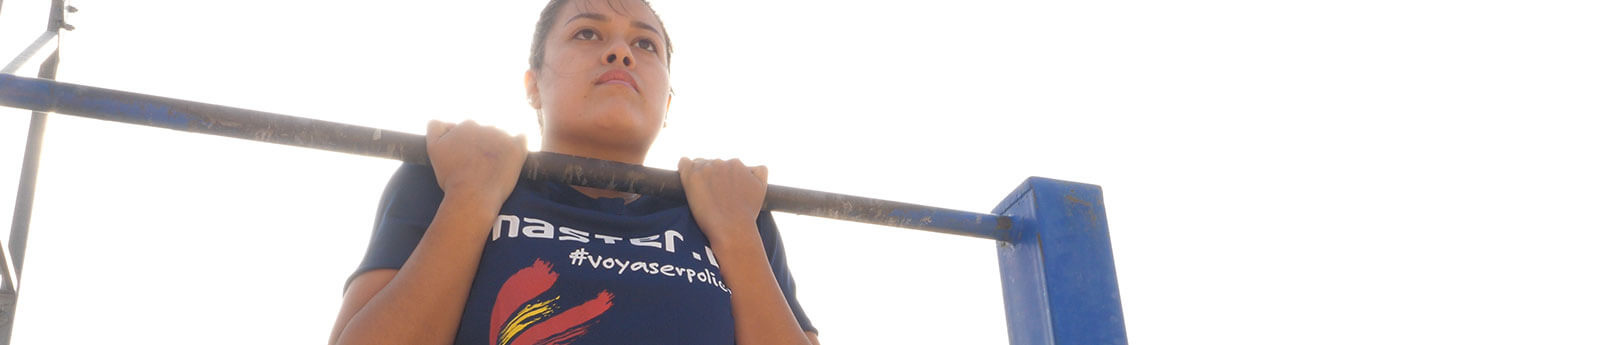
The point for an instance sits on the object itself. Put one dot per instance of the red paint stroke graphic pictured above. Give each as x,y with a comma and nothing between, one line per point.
518,319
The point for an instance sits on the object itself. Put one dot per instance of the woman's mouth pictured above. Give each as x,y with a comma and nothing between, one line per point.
619,77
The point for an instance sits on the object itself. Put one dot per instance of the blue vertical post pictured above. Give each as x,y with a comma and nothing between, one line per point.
1056,271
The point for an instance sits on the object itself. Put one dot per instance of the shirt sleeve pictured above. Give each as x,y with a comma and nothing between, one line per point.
406,208
768,229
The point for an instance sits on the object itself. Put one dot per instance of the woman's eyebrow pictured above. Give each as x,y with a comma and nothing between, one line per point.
592,16
646,27
603,18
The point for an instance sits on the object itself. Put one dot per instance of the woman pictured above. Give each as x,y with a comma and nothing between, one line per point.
465,251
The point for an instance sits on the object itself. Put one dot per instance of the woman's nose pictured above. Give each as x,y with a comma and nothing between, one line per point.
619,54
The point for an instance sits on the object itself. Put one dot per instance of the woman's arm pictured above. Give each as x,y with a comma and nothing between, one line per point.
760,312
421,303
725,198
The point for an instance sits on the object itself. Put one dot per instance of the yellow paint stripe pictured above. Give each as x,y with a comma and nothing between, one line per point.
529,315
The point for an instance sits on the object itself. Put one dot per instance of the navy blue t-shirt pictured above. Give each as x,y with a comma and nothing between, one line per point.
560,267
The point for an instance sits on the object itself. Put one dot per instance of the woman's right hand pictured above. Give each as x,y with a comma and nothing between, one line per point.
475,162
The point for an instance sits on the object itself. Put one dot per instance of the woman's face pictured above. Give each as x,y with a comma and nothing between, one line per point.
604,77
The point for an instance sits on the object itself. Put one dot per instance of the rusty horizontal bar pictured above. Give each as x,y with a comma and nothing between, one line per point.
196,117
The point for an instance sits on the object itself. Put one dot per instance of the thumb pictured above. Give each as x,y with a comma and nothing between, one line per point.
435,129
761,172
684,167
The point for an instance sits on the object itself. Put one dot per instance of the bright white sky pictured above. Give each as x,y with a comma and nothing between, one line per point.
1309,172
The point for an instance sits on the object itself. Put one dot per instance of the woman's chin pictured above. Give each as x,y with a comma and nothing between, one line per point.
618,116
621,129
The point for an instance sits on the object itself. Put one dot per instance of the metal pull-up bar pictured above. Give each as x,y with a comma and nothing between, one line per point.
195,117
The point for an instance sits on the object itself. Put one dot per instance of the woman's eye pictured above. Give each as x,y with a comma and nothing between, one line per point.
586,35
647,45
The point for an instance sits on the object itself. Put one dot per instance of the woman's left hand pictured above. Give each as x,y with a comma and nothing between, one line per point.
725,197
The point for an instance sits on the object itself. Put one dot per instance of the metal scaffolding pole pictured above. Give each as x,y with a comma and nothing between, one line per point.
17,245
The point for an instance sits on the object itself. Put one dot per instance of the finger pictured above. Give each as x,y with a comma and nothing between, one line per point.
684,164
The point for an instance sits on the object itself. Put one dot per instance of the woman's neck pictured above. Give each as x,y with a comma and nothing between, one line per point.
591,151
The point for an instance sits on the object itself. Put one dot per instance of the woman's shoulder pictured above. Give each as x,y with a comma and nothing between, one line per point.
411,173
412,186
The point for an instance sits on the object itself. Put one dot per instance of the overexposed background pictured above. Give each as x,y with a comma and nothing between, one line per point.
1307,172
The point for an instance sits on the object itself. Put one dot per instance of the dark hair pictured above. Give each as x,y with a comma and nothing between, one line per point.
547,20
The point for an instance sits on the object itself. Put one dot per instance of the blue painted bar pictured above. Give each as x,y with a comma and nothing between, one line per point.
1056,271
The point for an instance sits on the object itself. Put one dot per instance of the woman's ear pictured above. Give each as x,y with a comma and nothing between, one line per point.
666,113
529,83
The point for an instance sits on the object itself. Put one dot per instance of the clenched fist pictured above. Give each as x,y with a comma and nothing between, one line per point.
724,196
475,162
